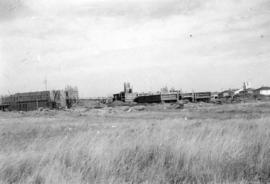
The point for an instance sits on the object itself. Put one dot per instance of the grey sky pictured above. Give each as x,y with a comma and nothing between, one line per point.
99,44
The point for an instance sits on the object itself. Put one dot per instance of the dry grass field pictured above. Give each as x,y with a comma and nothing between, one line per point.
156,144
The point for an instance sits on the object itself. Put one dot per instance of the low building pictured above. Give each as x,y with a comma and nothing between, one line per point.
170,97
124,97
40,99
165,97
151,98
196,97
264,91
226,94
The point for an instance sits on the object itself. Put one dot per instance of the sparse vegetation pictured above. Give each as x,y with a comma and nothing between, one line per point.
199,144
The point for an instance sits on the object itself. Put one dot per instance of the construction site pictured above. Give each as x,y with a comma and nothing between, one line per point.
28,101
164,96
123,138
61,99
172,96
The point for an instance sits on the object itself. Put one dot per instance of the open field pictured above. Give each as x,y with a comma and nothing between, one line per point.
201,143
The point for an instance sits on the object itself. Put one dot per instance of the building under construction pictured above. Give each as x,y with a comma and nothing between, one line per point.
164,96
41,99
127,95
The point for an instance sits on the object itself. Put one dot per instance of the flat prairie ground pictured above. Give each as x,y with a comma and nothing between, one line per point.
153,144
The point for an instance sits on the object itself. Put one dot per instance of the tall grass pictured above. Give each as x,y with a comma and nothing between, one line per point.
170,150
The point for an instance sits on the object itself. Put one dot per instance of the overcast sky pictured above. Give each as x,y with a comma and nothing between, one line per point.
99,44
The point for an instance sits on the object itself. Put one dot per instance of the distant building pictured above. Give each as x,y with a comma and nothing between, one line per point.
149,98
196,97
41,99
226,94
127,95
264,91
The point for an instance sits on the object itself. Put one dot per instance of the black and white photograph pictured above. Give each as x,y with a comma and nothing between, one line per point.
134,92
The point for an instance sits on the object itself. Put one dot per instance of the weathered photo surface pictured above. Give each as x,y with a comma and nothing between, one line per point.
134,91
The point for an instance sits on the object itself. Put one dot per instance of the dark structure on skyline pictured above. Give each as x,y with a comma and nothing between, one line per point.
40,99
127,95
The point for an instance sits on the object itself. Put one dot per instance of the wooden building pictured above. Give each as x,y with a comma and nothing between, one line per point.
124,97
196,97
40,99
156,98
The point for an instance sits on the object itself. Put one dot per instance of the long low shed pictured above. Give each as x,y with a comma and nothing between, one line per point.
198,96
170,97
34,100
148,99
